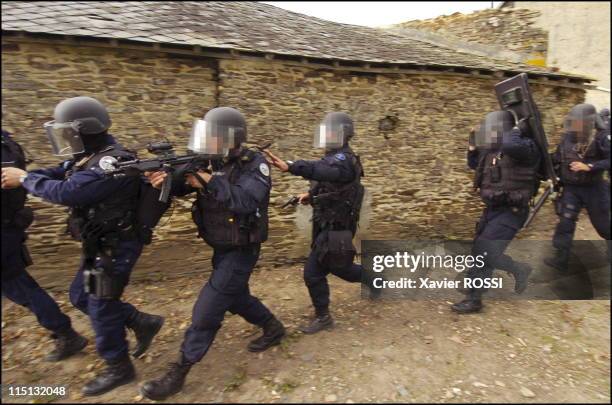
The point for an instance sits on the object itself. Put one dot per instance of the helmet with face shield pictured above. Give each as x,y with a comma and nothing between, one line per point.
580,123
75,120
334,131
222,131
489,134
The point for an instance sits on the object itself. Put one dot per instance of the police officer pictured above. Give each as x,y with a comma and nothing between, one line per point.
231,213
506,163
17,284
336,195
103,217
604,114
582,158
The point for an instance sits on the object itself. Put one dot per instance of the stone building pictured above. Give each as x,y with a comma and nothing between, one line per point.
159,65
572,36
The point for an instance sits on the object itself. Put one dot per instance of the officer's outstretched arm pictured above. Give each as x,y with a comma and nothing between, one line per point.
81,189
55,173
325,169
246,195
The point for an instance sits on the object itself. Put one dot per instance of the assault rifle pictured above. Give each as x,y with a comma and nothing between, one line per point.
166,160
515,96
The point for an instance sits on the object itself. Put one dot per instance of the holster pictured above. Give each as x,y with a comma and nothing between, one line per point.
100,280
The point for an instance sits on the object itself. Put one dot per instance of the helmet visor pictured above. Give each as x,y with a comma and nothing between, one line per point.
65,138
330,136
216,140
581,127
489,135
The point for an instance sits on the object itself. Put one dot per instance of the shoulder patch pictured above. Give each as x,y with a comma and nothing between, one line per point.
107,163
264,169
340,156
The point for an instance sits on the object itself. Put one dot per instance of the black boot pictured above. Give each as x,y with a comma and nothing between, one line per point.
273,332
170,383
559,261
375,292
521,276
145,327
117,373
467,306
67,343
321,322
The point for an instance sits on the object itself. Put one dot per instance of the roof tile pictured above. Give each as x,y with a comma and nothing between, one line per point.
243,25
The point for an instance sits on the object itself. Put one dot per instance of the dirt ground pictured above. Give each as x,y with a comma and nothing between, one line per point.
379,351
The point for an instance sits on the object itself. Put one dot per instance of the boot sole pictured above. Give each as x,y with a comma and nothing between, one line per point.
462,312
118,384
326,327
148,395
138,354
275,342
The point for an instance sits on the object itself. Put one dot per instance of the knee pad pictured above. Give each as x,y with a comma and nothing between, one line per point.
569,211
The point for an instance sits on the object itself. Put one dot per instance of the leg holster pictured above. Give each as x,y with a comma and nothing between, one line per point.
99,277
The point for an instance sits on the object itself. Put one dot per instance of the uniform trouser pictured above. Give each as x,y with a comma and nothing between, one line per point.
494,232
108,316
315,277
596,199
19,287
227,289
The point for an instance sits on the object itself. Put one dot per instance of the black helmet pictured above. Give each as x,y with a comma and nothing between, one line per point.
334,131
490,131
90,114
222,130
74,118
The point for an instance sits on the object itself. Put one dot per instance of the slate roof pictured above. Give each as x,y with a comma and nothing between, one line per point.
244,26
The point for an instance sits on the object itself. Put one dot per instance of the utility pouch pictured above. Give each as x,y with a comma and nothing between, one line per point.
340,250
496,174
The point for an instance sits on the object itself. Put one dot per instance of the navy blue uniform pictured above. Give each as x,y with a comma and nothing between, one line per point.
507,204
231,215
80,189
583,190
339,168
17,284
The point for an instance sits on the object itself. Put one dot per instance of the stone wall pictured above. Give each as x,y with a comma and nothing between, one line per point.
578,40
416,173
509,28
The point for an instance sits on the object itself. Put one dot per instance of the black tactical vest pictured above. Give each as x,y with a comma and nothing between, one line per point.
14,213
505,182
116,214
575,152
336,206
220,227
